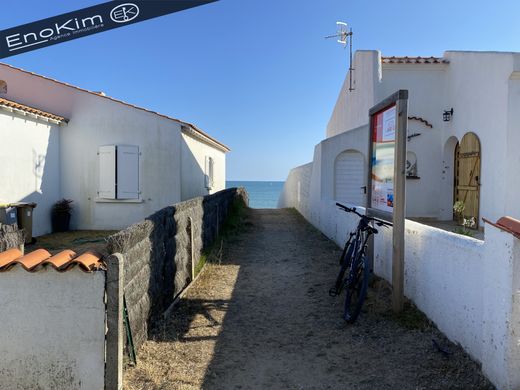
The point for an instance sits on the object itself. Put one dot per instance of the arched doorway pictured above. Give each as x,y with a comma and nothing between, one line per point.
467,175
349,178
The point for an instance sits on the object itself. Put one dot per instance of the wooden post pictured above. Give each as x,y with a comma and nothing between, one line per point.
398,246
192,251
115,334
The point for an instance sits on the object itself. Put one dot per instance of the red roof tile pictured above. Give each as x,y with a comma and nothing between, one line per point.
510,224
89,261
414,60
507,224
11,105
8,256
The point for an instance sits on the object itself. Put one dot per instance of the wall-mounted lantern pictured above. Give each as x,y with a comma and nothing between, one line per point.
446,116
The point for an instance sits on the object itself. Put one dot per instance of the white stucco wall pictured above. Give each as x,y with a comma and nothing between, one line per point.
351,109
477,87
425,84
295,192
30,165
53,330
194,153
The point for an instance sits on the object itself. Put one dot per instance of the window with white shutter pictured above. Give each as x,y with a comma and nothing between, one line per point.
107,172
127,172
208,172
118,172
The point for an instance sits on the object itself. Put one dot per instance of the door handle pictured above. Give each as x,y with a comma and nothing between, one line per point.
364,189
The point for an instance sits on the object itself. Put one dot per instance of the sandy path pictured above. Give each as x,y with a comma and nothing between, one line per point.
263,320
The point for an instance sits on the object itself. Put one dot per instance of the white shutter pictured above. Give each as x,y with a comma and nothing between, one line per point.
207,178
349,178
107,172
127,172
210,171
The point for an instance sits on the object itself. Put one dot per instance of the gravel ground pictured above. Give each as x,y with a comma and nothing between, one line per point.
262,319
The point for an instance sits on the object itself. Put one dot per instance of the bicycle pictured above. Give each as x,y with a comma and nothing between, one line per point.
355,265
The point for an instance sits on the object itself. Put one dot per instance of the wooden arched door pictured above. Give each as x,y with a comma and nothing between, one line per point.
467,175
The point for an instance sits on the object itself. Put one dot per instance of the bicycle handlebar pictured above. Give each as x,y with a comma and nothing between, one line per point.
380,222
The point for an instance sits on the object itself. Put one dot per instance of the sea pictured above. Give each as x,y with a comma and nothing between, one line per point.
262,194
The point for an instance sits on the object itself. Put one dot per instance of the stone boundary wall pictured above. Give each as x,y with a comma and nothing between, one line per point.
10,237
158,253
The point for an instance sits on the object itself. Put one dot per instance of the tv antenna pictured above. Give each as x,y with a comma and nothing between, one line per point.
342,36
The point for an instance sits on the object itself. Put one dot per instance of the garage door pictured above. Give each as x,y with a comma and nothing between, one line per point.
349,178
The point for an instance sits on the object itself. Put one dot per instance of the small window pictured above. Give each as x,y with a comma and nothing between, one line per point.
118,172
208,172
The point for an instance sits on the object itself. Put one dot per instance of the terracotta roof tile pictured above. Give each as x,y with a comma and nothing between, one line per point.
59,260
414,60
88,262
8,256
33,259
507,224
510,224
11,105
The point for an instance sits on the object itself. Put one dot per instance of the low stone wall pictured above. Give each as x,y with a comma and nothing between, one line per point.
10,237
160,252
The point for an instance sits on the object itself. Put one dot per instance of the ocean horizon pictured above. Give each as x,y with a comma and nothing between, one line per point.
262,194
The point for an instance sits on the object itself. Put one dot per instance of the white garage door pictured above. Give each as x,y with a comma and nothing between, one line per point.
349,178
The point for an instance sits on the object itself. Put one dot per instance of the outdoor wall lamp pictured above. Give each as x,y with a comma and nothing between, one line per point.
446,116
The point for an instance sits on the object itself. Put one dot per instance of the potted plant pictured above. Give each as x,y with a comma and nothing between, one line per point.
60,215
459,208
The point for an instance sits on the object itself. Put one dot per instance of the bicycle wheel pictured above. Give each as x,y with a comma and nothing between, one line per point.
356,289
345,261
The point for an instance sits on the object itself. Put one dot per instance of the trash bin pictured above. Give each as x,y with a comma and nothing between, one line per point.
8,214
25,219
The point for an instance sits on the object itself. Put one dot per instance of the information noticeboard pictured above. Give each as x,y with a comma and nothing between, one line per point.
386,180
387,146
383,159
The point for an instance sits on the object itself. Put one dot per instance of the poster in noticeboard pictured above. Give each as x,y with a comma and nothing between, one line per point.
383,146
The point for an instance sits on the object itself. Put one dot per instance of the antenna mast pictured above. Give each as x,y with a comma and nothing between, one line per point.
342,36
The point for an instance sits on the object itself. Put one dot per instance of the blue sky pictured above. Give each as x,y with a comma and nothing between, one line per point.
258,74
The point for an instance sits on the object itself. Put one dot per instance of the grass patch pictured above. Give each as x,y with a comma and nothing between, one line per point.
464,232
202,262
77,240
232,226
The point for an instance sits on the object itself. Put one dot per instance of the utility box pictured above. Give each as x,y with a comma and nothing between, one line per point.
8,214
25,219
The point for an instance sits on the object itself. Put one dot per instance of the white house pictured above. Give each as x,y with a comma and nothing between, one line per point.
472,157
118,162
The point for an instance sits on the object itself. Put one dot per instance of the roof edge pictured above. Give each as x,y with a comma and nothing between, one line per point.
102,95
15,107
192,130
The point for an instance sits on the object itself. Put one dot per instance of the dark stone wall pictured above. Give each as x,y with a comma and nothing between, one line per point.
10,237
157,253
